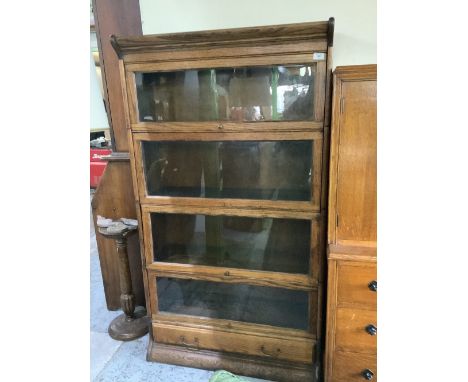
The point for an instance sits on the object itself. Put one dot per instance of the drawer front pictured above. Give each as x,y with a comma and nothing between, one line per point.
353,284
356,330
350,367
294,349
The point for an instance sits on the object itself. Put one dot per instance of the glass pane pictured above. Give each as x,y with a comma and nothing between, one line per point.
238,302
279,170
278,245
264,93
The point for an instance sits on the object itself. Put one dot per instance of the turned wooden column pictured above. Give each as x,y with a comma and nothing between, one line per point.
133,323
127,299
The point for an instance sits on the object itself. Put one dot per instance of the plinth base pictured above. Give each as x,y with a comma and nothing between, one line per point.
122,329
274,369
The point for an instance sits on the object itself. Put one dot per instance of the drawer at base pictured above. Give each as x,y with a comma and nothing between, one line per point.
356,330
293,349
353,283
354,367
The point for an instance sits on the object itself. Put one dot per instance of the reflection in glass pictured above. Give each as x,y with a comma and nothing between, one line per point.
267,93
276,170
278,245
238,302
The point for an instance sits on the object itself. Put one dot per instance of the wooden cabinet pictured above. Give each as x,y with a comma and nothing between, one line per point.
227,132
351,325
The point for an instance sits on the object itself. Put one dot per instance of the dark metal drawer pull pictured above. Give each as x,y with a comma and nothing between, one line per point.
371,329
373,286
367,374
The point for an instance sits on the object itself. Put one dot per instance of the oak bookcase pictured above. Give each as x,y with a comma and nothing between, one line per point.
228,135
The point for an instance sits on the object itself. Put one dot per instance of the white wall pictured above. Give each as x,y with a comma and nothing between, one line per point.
355,20
98,116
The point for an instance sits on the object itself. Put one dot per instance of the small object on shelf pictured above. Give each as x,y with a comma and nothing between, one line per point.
99,142
103,222
133,323
116,228
129,222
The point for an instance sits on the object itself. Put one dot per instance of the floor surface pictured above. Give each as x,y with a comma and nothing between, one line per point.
116,361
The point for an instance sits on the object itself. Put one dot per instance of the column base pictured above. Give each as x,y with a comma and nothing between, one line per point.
122,329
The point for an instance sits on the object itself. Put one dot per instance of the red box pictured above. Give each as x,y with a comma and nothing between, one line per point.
98,165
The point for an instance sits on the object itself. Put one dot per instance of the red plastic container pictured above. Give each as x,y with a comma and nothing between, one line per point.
97,165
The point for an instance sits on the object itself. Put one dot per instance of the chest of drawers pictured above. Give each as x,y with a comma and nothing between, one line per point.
352,319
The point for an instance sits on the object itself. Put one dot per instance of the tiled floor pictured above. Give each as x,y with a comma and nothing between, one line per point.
125,361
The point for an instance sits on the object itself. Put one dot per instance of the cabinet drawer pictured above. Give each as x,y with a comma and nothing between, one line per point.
350,367
353,284
353,330
294,349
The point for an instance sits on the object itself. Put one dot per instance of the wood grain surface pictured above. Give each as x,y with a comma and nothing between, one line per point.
114,199
352,226
115,17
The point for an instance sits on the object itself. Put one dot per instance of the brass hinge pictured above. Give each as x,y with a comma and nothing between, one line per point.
337,220
341,105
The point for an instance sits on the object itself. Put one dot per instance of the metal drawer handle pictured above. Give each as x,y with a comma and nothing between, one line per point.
367,374
373,286
371,329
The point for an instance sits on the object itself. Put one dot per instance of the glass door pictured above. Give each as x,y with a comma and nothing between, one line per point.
243,94
229,168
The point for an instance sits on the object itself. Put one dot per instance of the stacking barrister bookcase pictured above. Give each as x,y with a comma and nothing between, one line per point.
228,146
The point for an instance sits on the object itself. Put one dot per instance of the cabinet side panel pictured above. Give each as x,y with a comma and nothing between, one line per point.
357,166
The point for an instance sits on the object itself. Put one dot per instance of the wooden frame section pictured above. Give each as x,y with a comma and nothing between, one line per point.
304,47
263,60
212,63
227,275
298,206
229,127
229,325
294,280
283,349
232,325
291,34
260,367
343,74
